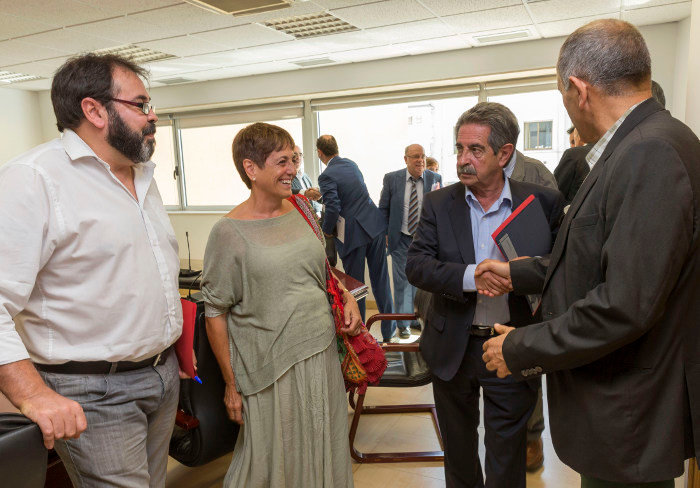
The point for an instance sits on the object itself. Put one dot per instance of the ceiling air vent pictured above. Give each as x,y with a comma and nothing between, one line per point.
241,7
312,25
174,81
10,77
501,37
135,53
305,63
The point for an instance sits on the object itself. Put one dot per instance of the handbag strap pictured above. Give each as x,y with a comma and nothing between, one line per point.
303,206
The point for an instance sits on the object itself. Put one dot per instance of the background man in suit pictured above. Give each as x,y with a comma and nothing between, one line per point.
524,168
621,289
345,197
400,203
302,183
572,170
453,235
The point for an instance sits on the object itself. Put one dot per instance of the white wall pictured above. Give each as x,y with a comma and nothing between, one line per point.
20,123
692,107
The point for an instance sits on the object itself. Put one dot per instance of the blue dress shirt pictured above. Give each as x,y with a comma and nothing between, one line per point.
489,310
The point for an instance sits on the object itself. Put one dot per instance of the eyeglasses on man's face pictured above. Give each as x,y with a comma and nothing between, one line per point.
145,107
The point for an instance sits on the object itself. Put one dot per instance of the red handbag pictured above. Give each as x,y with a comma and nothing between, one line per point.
362,360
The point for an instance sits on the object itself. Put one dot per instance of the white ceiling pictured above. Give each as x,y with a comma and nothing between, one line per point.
37,36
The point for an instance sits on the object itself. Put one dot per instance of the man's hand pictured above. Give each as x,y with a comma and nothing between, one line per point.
58,417
492,278
493,352
353,319
312,194
234,403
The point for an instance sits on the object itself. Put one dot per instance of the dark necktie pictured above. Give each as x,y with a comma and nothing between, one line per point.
413,207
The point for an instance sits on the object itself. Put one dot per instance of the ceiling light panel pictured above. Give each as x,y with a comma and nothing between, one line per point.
313,25
137,54
11,77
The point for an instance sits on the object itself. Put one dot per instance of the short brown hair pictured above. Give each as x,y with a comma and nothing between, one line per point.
328,145
89,75
256,142
431,161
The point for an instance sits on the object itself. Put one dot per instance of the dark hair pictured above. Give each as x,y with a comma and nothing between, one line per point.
503,124
570,130
327,145
608,53
658,93
256,142
88,75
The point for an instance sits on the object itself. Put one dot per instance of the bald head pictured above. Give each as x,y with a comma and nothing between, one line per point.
327,145
414,156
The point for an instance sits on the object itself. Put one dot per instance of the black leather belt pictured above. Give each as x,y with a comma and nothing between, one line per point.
102,367
482,331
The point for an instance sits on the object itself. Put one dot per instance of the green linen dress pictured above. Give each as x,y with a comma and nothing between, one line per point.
268,276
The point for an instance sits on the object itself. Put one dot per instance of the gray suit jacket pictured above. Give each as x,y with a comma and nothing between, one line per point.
533,171
621,301
392,199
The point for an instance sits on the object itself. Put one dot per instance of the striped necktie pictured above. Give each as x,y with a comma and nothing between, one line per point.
413,207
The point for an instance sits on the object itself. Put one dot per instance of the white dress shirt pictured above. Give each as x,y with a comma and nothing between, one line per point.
87,272
407,200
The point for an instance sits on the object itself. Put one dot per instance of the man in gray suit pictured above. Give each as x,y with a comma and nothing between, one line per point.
621,289
400,203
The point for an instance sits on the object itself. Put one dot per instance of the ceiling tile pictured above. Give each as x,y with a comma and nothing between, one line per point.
172,67
185,19
551,10
447,43
383,13
123,7
279,51
632,4
68,41
342,42
657,15
566,27
39,68
452,7
369,54
28,52
331,4
122,30
222,58
410,31
13,26
244,36
247,70
182,46
500,18
299,8
57,13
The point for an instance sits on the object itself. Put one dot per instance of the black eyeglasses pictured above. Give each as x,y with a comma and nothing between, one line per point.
145,107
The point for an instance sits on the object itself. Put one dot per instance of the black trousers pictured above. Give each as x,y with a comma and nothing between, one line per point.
507,407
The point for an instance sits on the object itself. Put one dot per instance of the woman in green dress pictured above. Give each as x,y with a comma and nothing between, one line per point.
270,326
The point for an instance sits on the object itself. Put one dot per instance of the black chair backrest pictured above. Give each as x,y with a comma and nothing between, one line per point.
216,434
22,452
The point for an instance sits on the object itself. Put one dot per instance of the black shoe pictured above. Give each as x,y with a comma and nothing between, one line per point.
405,333
416,326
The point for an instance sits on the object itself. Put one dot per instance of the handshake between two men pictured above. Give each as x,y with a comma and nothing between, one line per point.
492,279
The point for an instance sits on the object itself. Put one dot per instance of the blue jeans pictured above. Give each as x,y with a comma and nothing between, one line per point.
404,292
130,418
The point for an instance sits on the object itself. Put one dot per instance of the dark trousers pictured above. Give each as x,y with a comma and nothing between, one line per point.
507,407
587,482
354,265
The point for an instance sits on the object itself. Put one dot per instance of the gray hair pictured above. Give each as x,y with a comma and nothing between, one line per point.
503,123
610,54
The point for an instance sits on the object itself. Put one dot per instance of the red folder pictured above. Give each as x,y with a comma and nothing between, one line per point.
184,346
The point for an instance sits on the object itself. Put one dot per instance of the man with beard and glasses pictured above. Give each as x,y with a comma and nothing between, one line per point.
89,303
